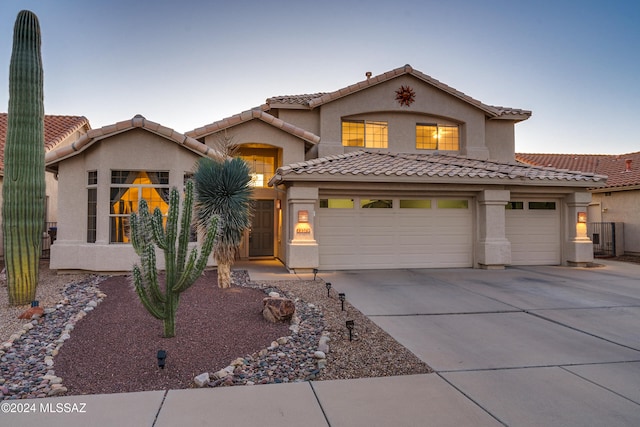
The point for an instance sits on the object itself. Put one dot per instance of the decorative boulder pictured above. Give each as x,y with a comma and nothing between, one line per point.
278,309
32,313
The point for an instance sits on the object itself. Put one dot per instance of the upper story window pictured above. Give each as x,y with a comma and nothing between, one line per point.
127,189
363,133
437,137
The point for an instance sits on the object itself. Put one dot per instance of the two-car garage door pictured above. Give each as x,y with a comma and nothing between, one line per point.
362,233
369,233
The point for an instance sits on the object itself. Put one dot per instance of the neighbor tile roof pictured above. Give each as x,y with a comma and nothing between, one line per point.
407,167
317,99
56,130
614,166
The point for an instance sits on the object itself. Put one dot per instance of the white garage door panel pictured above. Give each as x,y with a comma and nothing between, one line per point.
392,238
534,236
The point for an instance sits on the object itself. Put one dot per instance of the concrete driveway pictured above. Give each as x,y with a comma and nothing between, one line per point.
528,345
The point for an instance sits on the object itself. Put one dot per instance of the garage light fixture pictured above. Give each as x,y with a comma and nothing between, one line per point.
303,216
582,217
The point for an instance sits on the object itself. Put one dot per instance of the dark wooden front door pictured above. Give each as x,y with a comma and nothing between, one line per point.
261,234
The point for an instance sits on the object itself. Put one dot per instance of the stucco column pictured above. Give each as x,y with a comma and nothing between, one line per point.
494,250
578,246
302,249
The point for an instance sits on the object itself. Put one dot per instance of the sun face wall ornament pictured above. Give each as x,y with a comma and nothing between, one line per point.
405,95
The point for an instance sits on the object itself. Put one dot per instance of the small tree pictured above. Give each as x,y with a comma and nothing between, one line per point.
223,190
147,232
23,188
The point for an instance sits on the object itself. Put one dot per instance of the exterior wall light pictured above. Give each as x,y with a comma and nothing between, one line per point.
303,216
162,356
582,217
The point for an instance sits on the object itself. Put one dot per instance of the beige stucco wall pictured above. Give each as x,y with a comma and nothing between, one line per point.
379,103
622,206
500,140
136,149
308,120
257,131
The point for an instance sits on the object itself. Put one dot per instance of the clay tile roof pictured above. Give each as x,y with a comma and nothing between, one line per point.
620,172
56,130
317,99
138,121
256,113
426,168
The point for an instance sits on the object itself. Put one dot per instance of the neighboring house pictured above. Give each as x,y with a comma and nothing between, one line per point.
59,131
398,170
618,201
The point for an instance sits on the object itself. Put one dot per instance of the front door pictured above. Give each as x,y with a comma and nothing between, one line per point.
261,234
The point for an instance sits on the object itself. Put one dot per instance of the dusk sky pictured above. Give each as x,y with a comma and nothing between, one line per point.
187,63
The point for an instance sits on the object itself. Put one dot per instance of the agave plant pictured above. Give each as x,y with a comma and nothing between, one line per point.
223,190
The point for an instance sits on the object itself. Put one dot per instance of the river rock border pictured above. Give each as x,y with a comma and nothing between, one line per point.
28,355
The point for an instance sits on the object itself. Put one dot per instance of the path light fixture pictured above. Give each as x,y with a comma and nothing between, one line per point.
315,273
328,285
350,326
342,297
162,357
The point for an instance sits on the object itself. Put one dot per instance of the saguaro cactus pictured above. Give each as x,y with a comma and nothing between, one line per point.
147,232
23,189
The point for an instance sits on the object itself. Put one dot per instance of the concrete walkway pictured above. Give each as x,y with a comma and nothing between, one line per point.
528,346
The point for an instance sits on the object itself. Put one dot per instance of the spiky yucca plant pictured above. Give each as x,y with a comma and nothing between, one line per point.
147,232
23,189
223,189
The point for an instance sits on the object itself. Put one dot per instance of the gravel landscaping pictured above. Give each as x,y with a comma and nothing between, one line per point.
97,338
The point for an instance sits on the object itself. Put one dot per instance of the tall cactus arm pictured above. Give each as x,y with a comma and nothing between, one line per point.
157,228
185,227
151,274
156,311
197,265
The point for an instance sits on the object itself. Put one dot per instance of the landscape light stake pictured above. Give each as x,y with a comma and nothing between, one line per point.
315,273
162,356
328,285
350,326
342,297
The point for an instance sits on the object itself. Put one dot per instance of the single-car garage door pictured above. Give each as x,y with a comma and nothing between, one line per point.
533,228
370,233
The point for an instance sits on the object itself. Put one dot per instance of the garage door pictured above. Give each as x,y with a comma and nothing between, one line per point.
370,233
533,228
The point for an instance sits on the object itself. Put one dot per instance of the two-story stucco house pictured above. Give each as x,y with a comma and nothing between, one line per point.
398,170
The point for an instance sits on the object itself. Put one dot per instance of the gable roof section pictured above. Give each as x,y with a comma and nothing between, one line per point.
256,113
56,130
314,100
95,135
620,176
399,167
